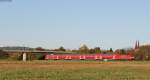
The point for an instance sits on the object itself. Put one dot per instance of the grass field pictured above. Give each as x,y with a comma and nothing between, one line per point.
74,70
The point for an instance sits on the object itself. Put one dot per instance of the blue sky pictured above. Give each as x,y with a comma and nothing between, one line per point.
71,23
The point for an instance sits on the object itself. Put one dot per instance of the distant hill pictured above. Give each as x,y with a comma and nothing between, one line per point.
15,48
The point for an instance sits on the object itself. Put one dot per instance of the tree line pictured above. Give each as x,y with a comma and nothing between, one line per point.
141,53
84,49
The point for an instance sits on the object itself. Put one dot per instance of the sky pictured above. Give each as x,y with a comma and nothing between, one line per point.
72,23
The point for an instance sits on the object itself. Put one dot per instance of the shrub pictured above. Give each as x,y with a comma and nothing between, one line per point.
38,56
3,55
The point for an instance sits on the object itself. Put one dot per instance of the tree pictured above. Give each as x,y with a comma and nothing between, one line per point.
111,50
61,49
75,51
142,53
120,51
40,49
97,50
91,51
3,55
84,49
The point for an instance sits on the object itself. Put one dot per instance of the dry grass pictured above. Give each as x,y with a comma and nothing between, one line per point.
74,70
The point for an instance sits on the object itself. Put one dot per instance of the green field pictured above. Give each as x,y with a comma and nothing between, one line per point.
74,70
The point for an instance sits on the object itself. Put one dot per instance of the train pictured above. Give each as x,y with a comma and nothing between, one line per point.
89,57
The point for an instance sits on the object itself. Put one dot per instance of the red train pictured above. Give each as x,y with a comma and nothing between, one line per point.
89,57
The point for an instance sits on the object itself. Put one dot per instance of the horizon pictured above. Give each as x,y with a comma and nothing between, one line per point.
133,47
50,24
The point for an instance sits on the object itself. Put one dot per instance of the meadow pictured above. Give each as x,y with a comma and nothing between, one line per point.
74,70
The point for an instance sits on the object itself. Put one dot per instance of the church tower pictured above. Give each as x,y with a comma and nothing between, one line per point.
137,45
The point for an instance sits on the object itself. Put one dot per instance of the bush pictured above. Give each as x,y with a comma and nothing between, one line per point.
3,55
143,53
38,56
15,56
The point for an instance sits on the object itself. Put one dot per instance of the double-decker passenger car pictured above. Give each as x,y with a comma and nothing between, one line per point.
89,57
